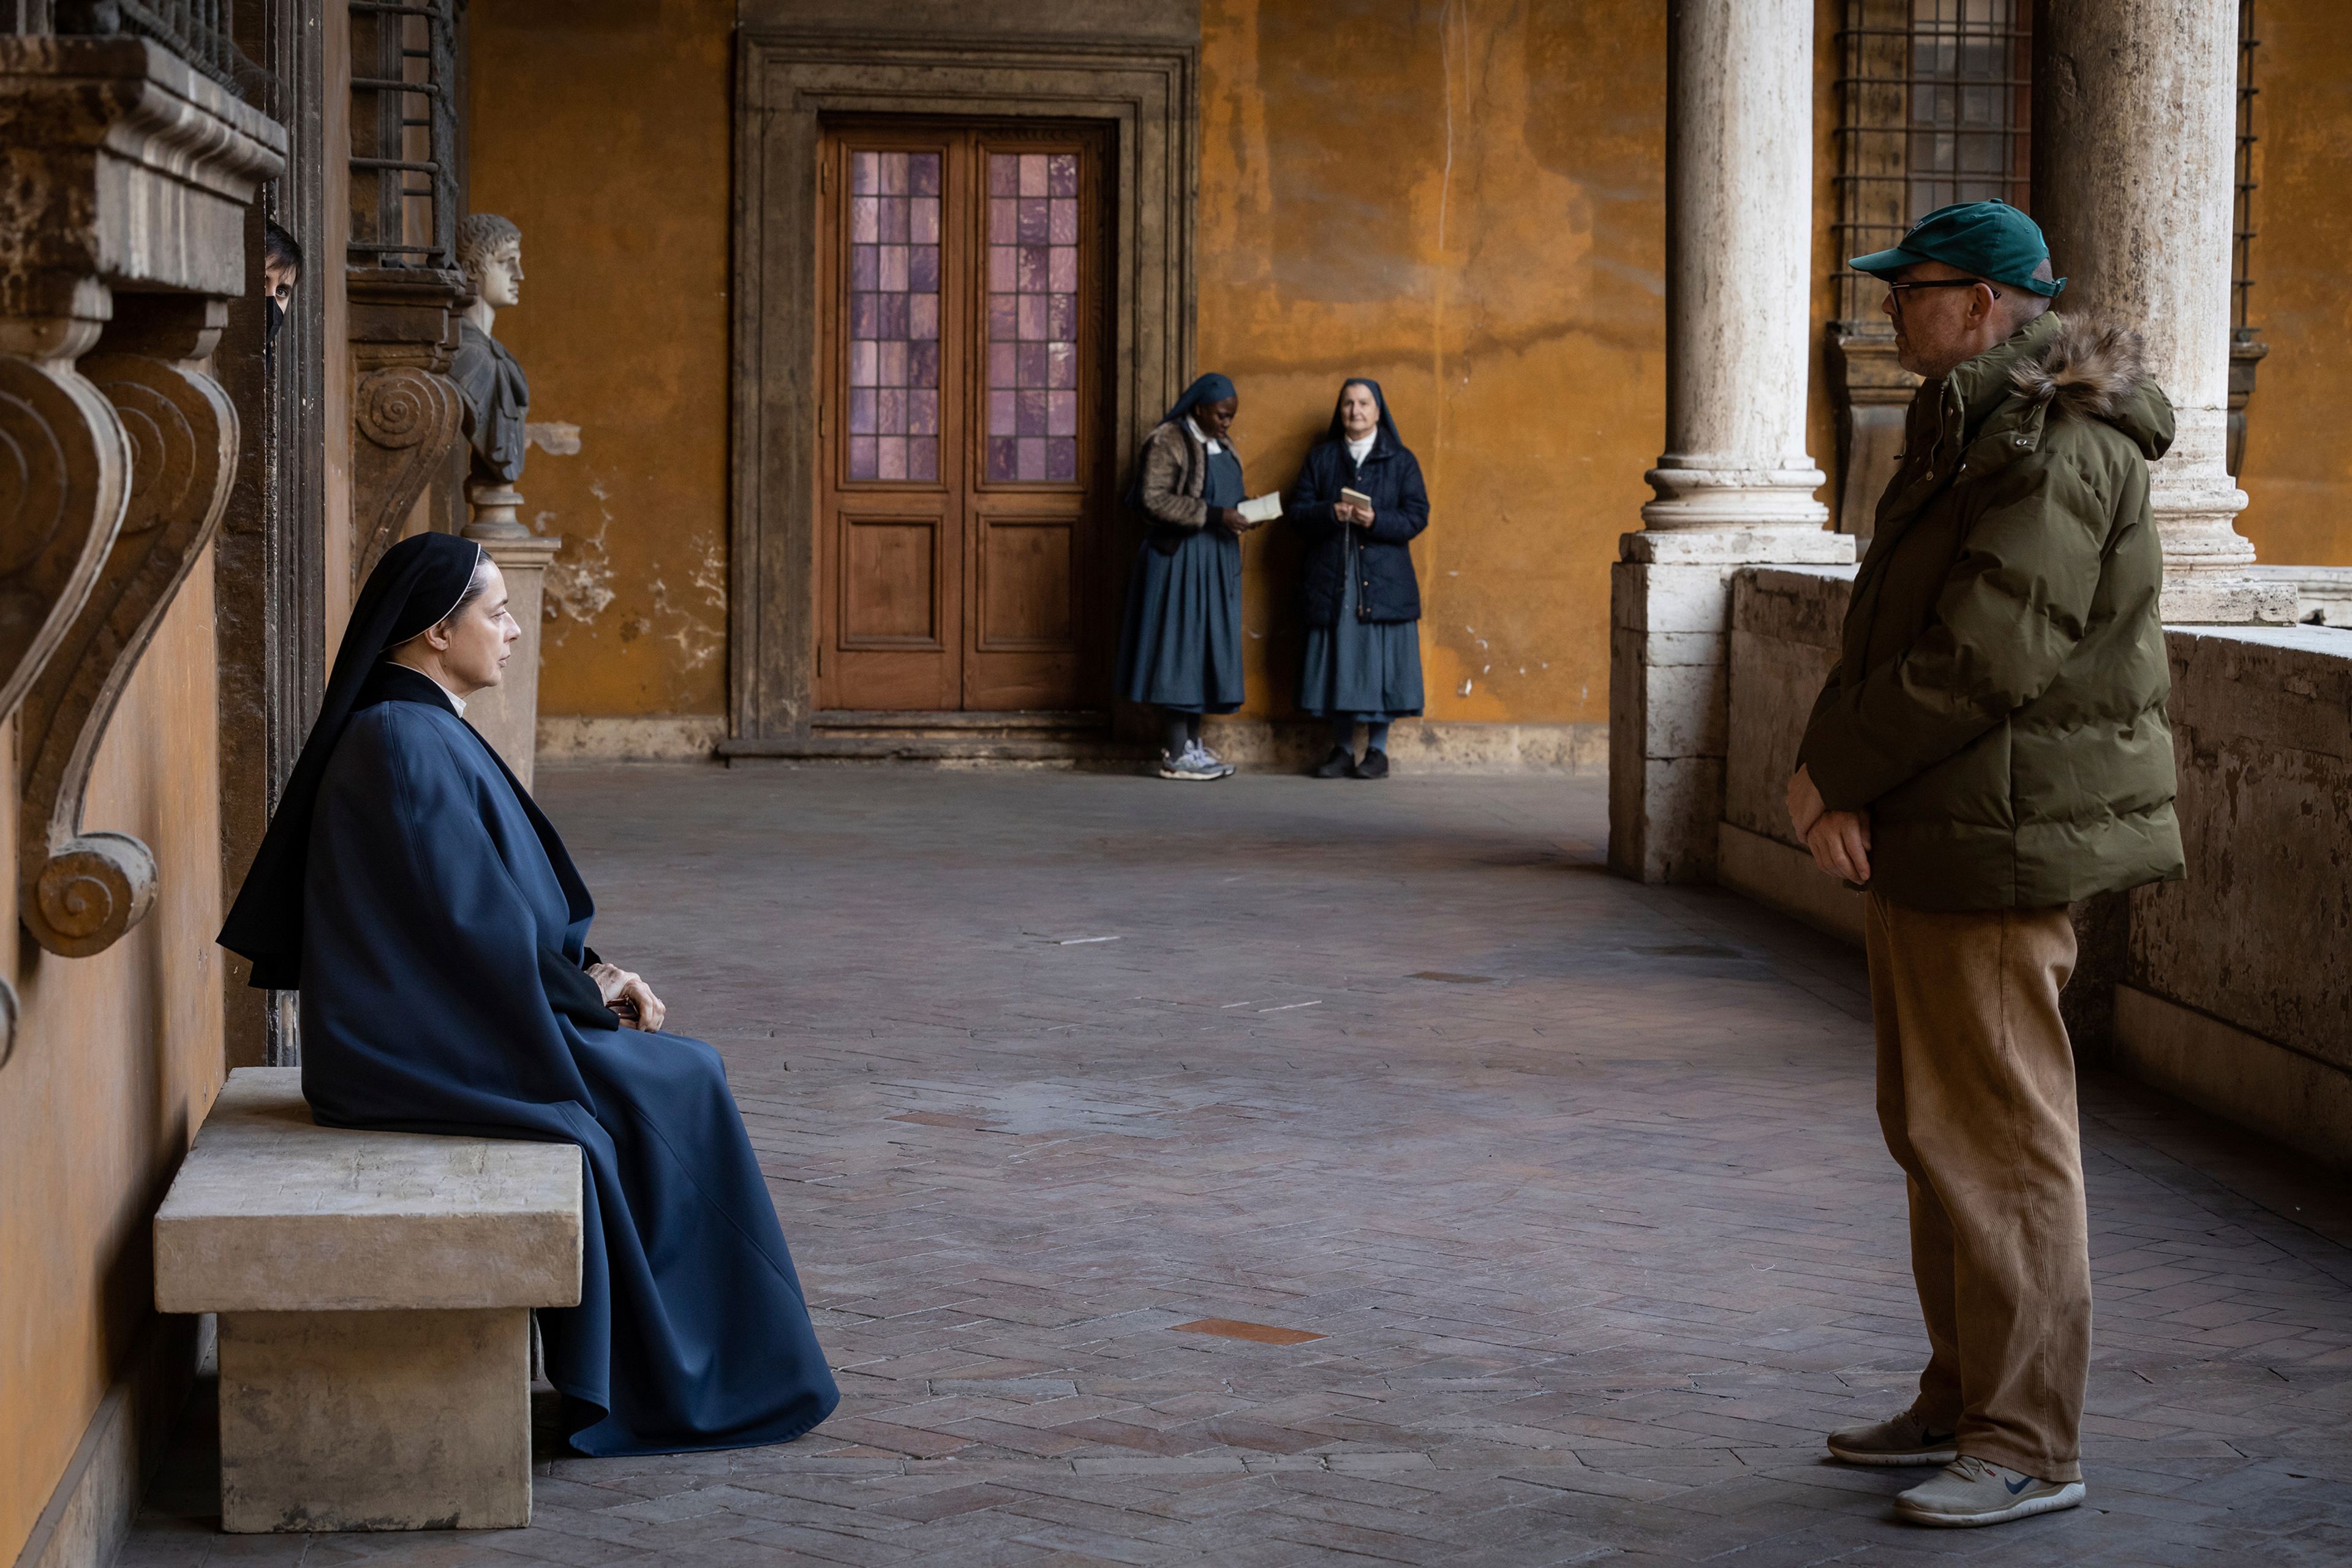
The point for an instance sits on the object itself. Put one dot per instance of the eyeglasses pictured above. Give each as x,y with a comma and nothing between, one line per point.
1895,291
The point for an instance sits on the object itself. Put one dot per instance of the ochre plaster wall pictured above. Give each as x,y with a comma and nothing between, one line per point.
118,1058
1467,207
603,129
2298,465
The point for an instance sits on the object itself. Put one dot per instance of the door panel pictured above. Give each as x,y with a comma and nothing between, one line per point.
890,583
963,498
1028,585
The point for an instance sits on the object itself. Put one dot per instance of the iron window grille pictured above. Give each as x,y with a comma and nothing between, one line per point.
201,32
1934,106
2241,256
403,133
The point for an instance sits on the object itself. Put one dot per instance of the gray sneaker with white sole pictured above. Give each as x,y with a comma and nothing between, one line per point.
1904,1440
1970,1491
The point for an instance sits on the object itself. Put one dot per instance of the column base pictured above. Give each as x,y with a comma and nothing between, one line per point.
1669,637
376,1420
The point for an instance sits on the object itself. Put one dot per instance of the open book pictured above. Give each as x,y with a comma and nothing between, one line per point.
1261,508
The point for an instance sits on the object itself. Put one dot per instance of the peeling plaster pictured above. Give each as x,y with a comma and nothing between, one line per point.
554,437
579,578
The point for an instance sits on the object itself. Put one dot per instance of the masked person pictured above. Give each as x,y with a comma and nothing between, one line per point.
1362,660
281,274
1179,643
428,914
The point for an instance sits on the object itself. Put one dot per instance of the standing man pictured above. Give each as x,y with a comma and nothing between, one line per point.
1990,747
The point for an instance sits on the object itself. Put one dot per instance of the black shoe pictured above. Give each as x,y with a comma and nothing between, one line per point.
1375,766
1337,765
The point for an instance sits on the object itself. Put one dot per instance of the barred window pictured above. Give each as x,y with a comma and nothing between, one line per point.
1935,107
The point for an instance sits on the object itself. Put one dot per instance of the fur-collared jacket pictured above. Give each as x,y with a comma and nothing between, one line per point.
1999,702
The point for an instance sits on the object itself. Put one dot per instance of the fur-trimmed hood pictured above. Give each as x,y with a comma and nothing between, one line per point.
2085,369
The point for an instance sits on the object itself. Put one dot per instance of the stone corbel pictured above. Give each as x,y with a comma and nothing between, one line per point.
404,408
1873,396
128,173
78,891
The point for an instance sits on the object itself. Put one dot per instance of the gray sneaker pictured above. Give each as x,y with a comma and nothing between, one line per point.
1970,1491
1905,1440
1214,760
1191,764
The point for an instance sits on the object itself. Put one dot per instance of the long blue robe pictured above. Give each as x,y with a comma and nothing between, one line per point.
443,929
1180,639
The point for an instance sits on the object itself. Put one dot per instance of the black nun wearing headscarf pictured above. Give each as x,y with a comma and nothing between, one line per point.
1180,644
1362,663
435,928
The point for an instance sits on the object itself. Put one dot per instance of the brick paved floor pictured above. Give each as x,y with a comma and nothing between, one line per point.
1577,1183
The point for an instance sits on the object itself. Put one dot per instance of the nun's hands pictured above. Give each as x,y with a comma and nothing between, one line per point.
1231,520
1355,512
629,997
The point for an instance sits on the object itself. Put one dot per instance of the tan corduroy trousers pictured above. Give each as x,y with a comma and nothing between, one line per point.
1976,1095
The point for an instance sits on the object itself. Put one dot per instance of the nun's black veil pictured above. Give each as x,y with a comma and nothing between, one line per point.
419,581
1339,431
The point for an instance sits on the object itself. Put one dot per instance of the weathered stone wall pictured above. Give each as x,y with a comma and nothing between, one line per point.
1784,639
2237,987
2232,989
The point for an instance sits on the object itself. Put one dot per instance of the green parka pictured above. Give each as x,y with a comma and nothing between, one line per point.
1998,706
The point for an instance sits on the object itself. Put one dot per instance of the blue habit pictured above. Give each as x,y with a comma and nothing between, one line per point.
1179,643
443,929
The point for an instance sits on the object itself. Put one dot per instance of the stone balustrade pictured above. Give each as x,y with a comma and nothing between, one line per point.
2232,989
374,1293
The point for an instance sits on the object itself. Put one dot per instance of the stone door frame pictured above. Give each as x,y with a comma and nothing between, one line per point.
788,80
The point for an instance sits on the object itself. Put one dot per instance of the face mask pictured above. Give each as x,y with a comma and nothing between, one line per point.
276,320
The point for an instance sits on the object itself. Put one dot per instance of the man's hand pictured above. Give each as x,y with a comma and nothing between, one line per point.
1805,804
1840,844
629,997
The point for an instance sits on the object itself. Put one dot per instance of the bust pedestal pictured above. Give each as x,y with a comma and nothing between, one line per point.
507,714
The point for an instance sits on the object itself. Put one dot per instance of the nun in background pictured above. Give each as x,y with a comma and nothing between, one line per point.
435,926
1362,663
1180,645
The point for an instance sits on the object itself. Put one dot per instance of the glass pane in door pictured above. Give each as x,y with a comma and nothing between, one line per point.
894,315
1032,318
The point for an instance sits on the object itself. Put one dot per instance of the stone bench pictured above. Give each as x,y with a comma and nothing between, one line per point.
374,1293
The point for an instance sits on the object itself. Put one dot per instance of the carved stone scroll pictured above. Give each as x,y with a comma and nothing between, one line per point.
407,419
405,412
64,465
78,892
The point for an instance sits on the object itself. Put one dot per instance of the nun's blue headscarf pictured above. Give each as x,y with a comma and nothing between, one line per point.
1339,432
1209,388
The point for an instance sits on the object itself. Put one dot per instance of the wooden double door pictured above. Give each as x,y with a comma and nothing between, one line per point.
964,508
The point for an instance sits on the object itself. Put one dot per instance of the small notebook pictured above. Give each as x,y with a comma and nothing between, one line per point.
1261,508
1357,498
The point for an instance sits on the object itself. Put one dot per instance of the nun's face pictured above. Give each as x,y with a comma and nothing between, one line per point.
1216,419
478,637
1359,412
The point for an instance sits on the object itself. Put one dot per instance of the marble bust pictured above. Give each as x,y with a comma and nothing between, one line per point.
495,394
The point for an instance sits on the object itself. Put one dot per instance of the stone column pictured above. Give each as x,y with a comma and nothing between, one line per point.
1735,486
507,714
2135,157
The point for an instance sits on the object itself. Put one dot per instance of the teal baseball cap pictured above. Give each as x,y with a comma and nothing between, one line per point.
1991,239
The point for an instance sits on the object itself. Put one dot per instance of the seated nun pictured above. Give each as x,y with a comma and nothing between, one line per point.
435,926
